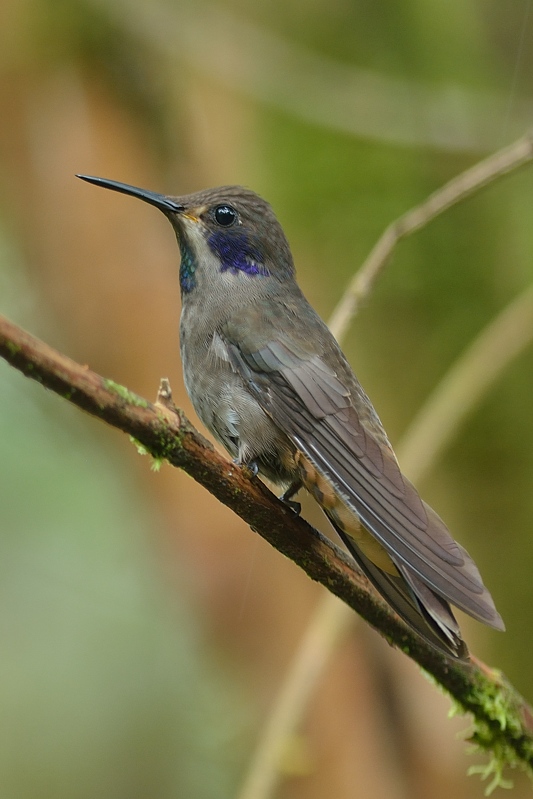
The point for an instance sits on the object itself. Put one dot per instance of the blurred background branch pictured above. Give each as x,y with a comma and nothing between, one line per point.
229,49
455,191
432,429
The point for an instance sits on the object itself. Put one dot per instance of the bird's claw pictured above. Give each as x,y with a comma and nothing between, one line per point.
286,498
251,467
294,506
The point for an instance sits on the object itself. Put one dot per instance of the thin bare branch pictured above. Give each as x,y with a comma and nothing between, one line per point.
455,191
322,636
466,383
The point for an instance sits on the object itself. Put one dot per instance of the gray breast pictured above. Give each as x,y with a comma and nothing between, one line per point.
228,410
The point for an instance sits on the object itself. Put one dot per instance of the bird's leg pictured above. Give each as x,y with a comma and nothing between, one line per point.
242,460
290,492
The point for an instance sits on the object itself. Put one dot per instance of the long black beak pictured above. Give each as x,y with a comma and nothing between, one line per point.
164,204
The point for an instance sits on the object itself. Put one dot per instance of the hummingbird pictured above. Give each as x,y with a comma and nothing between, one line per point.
268,379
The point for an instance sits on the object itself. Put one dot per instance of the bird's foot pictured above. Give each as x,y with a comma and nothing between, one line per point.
249,466
294,506
290,492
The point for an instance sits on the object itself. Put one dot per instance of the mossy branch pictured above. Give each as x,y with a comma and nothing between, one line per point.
503,720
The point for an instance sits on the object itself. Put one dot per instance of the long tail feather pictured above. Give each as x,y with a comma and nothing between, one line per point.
429,615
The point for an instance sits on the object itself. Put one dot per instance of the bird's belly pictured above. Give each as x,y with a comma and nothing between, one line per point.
237,421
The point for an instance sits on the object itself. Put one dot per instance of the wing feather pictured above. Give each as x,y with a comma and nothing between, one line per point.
306,399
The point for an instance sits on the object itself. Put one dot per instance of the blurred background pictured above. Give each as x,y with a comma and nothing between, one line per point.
145,630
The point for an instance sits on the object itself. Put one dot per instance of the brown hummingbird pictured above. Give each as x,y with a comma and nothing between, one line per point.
268,379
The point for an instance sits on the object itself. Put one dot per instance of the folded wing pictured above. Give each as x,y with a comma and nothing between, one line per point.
313,407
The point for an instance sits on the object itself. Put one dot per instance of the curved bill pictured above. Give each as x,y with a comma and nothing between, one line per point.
164,204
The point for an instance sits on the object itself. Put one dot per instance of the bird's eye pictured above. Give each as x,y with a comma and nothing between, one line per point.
225,215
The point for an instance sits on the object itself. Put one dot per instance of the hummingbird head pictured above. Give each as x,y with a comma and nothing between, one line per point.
228,236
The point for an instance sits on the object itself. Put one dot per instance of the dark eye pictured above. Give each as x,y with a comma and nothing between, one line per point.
225,215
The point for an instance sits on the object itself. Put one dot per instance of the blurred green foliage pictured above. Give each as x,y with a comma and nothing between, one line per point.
107,685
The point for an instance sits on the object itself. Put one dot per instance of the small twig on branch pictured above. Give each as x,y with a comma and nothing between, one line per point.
504,720
455,191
